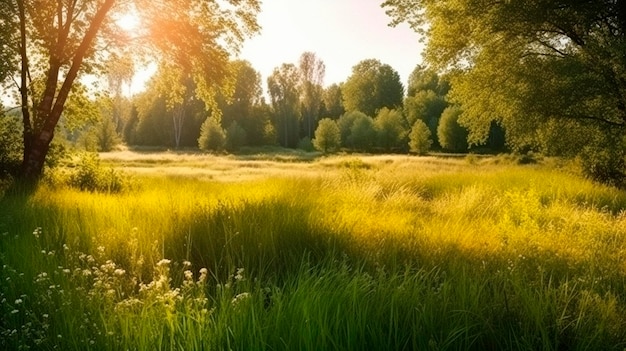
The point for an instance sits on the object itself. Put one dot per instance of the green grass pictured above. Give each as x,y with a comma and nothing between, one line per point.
345,252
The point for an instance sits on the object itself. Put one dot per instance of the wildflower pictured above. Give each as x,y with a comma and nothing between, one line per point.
15,311
18,301
163,262
186,264
119,272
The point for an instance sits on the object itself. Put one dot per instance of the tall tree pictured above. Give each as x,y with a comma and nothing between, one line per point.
312,71
241,106
332,102
531,66
372,86
71,36
284,96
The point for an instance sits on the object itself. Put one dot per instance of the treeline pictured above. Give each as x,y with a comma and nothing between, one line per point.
370,112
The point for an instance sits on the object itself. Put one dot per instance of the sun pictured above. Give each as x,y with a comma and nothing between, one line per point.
128,21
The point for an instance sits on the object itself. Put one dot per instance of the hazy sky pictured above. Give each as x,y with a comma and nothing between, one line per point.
340,32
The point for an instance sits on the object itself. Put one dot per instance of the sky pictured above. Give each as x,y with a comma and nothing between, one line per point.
340,32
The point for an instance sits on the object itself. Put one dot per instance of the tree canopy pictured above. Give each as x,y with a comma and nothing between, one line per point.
52,43
529,65
372,86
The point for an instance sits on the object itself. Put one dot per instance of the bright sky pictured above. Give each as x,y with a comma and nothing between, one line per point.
340,32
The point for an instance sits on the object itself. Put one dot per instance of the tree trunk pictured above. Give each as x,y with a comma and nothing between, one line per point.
38,136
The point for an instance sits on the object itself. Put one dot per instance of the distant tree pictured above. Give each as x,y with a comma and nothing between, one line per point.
332,102
372,86
327,136
212,136
284,94
452,136
345,123
420,138
362,133
426,98
242,106
312,71
235,137
390,129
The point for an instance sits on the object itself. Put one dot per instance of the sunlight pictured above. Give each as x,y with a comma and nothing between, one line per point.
128,21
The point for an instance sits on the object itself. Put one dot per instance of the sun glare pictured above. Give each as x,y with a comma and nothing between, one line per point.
128,21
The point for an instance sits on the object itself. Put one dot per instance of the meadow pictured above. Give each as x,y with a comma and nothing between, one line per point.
295,251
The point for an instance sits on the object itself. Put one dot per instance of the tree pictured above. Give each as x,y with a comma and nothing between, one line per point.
451,135
332,102
242,106
362,133
419,138
345,123
327,136
72,36
212,135
529,65
390,129
372,86
235,136
284,95
312,71
426,98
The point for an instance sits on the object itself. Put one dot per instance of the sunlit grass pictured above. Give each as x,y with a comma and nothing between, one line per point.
343,252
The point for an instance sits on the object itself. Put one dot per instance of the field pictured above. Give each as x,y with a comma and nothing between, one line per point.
301,252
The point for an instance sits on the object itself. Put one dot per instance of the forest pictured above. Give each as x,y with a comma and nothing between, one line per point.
481,206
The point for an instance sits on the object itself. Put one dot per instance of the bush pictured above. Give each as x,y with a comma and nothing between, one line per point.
362,133
390,129
420,141
327,136
452,136
212,136
235,137
90,175
605,165
345,123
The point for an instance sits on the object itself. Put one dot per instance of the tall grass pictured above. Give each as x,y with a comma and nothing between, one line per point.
357,253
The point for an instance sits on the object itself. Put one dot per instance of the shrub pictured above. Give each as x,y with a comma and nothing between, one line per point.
90,175
345,123
452,136
362,133
235,136
420,141
212,136
390,129
327,136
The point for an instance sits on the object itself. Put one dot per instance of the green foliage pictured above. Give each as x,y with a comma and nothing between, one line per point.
235,137
212,136
11,145
362,133
284,93
419,138
90,175
332,102
451,135
345,123
526,67
327,136
372,86
390,129
107,135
